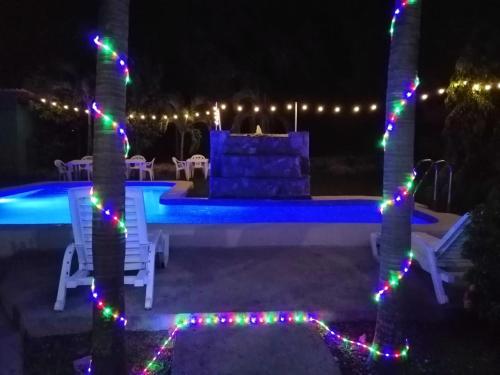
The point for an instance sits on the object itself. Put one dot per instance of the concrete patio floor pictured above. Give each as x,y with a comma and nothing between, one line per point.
336,282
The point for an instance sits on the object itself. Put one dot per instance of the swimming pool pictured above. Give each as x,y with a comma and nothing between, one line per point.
47,203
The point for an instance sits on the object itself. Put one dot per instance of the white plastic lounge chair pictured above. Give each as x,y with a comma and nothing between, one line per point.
148,168
441,257
63,170
139,247
180,166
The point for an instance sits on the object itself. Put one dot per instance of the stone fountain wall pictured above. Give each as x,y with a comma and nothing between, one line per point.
259,166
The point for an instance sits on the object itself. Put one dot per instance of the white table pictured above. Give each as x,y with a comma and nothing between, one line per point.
76,167
192,164
137,164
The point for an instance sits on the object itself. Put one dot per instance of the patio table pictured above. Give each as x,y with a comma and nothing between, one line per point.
76,166
137,164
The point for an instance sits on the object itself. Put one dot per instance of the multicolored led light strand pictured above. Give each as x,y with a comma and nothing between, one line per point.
106,310
186,321
96,202
115,55
398,109
394,278
397,12
108,120
403,191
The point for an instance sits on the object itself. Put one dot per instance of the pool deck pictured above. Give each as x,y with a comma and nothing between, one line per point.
335,282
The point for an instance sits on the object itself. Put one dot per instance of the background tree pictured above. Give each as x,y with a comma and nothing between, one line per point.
108,243
398,164
246,120
472,124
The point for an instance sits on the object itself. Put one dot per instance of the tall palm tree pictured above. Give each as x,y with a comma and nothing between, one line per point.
185,114
108,243
398,163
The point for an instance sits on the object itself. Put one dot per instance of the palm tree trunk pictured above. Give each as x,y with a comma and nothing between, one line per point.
398,164
108,243
90,122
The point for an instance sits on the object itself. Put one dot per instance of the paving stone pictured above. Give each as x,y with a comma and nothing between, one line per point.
262,350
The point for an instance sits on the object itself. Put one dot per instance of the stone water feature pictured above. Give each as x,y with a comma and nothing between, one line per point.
259,166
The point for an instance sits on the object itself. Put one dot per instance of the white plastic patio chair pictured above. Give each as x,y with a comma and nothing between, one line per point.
148,168
137,167
180,166
140,246
441,257
63,170
198,162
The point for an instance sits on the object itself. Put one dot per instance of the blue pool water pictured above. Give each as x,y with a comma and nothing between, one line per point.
48,204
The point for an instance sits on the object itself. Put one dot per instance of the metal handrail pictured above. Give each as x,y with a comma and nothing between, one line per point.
450,179
437,166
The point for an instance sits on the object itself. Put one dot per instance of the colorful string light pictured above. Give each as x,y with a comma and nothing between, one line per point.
403,191
106,310
186,321
397,12
96,202
394,278
398,110
108,120
106,48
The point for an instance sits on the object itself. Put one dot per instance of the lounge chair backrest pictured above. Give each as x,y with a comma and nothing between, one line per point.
136,243
456,232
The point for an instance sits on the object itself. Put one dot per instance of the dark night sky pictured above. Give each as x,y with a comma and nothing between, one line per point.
318,48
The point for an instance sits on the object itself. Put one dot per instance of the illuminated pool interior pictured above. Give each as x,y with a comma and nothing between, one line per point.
47,203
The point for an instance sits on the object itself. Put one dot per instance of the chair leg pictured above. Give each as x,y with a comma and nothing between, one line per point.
166,249
441,296
148,304
65,270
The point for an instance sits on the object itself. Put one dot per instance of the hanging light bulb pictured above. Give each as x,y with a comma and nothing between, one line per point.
87,111
43,100
337,109
424,97
304,107
207,113
131,116
223,106
256,109
153,117
165,117
239,108
441,91
289,106
176,117
54,104
196,114
321,108
373,107
65,107
487,87
76,109
273,108
356,109
143,117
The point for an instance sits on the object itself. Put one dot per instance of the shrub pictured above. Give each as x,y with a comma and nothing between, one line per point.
483,249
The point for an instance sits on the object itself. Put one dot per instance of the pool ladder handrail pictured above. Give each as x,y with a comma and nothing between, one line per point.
437,165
